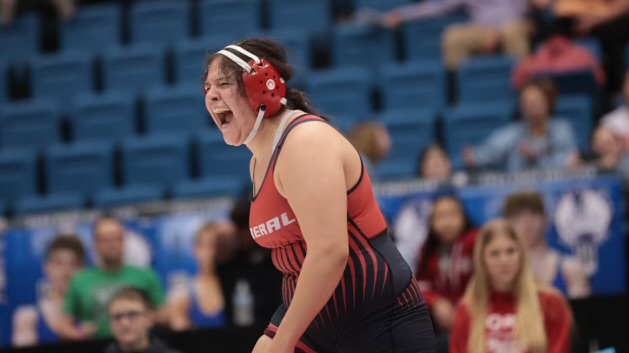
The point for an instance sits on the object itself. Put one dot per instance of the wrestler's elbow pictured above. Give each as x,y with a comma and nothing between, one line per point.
334,252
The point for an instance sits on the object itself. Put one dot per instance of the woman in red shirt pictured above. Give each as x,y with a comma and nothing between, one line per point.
504,310
445,265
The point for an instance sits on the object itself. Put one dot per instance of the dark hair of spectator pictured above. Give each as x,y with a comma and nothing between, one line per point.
66,242
523,201
432,240
132,294
548,89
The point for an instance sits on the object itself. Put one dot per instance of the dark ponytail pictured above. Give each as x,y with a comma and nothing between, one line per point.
299,100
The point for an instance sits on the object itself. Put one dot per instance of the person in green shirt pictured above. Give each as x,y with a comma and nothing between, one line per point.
85,306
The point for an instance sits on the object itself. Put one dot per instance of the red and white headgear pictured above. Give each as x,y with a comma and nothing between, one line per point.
265,88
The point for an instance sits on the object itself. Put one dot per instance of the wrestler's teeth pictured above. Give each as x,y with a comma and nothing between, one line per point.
221,111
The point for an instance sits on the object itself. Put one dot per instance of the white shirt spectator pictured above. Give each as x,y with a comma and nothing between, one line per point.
618,121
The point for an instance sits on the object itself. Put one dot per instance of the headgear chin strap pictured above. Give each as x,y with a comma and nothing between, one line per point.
256,126
265,88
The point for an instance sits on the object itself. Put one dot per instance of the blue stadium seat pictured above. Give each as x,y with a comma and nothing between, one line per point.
62,76
160,160
380,5
577,109
345,123
311,15
469,124
390,170
592,45
413,85
47,204
134,68
33,125
4,82
229,17
362,45
175,109
411,131
191,55
422,39
482,79
161,22
108,117
18,174
342,91
131,195
93,29
81,168
298,46
217,159
580,82
208,188
20,40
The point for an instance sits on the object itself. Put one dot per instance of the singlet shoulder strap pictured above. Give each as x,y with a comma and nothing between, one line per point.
293,124
280,141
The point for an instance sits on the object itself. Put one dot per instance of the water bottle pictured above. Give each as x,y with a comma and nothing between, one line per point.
243,304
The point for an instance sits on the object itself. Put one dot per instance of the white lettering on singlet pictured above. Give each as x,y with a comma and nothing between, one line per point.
272,225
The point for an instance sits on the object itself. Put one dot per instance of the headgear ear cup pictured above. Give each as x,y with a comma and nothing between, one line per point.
264,86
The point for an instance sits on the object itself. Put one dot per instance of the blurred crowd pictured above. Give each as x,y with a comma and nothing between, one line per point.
120,299
536,140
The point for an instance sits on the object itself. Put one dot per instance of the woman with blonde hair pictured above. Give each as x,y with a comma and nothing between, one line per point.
504,310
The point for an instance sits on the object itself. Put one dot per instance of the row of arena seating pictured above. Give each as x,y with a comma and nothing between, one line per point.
171,161
94,171
38,125
347,93
97,28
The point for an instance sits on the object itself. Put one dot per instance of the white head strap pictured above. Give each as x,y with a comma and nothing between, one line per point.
236,60
245,52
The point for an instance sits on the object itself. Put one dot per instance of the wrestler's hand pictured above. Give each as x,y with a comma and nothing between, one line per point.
275,347
443,312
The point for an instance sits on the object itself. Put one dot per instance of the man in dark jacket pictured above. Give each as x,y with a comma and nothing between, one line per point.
131,318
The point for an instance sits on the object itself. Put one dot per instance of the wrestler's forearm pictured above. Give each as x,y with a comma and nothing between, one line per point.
320,275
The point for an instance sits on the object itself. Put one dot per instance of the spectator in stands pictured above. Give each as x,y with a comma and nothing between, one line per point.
435,166
201,304
503,309
558,54
373,142
618,120
8,8
526,212
610,155
38,324
86,300
494,24
538,141
606,20
131,314
445,261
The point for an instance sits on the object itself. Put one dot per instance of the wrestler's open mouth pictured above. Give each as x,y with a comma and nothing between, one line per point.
225,117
